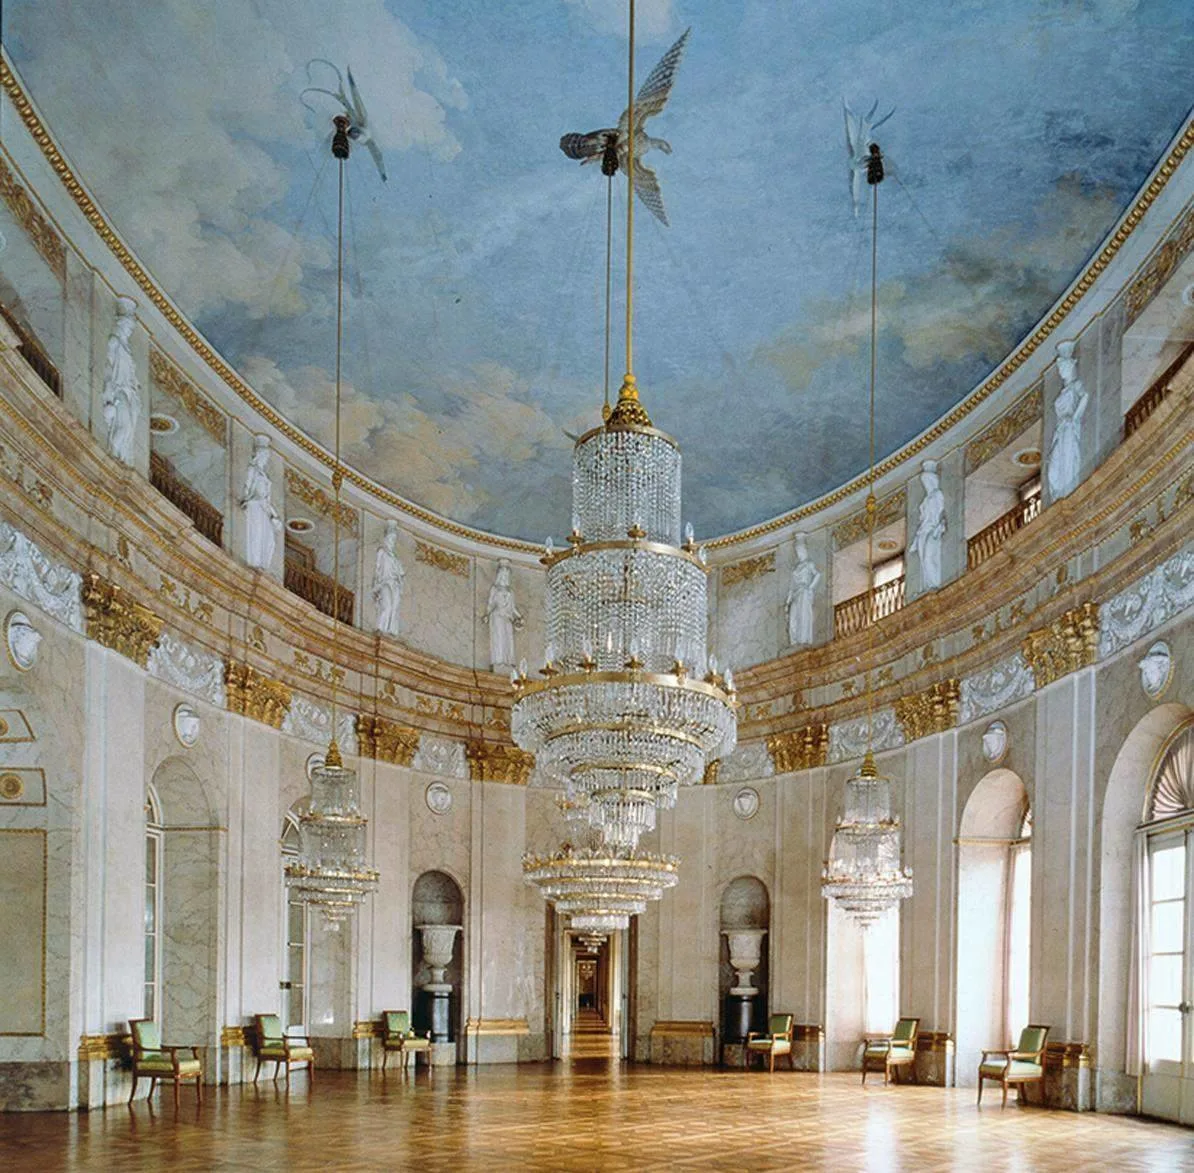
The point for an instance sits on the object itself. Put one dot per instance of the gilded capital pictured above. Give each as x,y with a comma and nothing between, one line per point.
933,711
1068,644
490,762
799,749
117,621
256,695
386,741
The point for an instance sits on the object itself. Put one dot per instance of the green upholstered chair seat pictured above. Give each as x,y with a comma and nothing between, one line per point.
763,1044
1019,1069
416,1044
165,1066
278,1053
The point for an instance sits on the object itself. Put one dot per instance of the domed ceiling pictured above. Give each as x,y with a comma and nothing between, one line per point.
474,306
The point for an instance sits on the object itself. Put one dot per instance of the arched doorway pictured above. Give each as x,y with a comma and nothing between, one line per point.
994,923
437,956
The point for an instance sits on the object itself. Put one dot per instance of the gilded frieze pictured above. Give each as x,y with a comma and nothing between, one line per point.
114,619
490,762
24,211
386,741
256,695
1162,266
441,559
1066,645
933,711
1025,411
747,569
209,417
891,509
799,749
319,499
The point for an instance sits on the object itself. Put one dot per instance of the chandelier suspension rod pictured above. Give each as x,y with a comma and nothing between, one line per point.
609,279
874,178
630,206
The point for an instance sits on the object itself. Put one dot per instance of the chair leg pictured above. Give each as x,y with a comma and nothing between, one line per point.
864,1071
176,1083
153,1084
258,1071
134,1091
791,1061
199,1088
771,1063
1004,1104
980,1090
310,1071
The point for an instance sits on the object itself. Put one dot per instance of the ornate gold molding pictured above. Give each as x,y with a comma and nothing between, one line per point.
235,1036
366,1028
117,621
386,741
497,1026
799,749
747,569
321,501
1068,644
1025,411
1160,268
853,529
933,711
441,559
170,379
109,1046
808,1032
20,204
1068,1055
711,772
935,1041
490,762
256,695
683,1027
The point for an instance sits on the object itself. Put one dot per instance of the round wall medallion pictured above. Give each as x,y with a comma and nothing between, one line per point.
313,763
746,802
161,424
186,725
1027,457
11,787
300,525
438,798
887,545
21,639
995,741
1156,669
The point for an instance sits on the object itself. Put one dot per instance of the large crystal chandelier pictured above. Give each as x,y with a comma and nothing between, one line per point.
332,871
863,873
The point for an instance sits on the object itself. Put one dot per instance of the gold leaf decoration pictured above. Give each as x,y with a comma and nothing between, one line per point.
386,741
119,622
170,379
747,569
1162,266
1025,411
1066,645
854,528
24,211
441,559
492,762
322,501
933,711
255,695
799,749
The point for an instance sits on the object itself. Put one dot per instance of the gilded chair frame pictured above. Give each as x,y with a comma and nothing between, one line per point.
1015,1055
771,1038
144,1065
888,1053
296,1050
404,1041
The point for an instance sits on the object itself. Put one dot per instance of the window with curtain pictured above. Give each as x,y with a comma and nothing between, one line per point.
153,907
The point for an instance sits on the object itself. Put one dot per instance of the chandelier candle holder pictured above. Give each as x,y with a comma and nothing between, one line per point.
864,873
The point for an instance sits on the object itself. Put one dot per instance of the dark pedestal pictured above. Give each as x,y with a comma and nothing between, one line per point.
439,1014
740,1010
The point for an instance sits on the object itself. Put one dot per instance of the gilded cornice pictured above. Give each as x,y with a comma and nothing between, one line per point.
1068,644
854,528
95,218
366,1028
457,564
322,501
255,695
933,711
1025,411
386,741
235,1036
799,749
748,568
489,761
37,227
110,1046
117,621
1068,1055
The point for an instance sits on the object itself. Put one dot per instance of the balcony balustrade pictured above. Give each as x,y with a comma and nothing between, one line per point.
859,612
209,521
989,539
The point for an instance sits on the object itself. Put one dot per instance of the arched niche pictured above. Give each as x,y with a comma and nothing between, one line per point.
745,905
189,903
437,899
994,885
1124,807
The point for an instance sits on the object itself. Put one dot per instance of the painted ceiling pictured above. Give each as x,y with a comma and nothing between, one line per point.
475,282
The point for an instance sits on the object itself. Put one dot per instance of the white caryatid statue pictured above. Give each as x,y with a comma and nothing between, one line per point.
503,616
262,523
1065,449
802,593
388,576
121,400
930,527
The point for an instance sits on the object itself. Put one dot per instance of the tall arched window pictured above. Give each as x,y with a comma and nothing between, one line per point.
294,933
152,1000
1166,931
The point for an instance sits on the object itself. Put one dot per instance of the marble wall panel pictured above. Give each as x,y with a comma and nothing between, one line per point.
23,880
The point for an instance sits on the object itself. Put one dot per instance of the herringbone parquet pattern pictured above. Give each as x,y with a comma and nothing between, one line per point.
587,1115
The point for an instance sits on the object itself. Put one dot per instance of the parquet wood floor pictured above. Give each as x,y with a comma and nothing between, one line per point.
586,1115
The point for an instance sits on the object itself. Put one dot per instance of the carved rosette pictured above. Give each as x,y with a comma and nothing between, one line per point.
799,749
386,741
118,621
491,762
1066,645
255,695
933,711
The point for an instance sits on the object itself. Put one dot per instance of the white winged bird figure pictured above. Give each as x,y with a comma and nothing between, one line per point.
860,135
352,106
612,145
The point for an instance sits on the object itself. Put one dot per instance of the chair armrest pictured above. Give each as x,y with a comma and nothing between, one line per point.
1028,1056
173,1047
755,1034
996,1051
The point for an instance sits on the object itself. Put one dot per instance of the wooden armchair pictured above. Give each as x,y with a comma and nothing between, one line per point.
888,1053
272,1044
396,1035
776,1041
1018,1065
162,1062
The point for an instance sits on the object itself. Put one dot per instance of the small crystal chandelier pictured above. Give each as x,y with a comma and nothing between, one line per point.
863,873
332,871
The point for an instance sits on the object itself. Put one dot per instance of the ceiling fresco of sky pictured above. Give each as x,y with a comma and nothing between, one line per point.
474,300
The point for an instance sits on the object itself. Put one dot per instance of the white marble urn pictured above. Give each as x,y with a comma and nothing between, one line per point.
746,950
437,952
